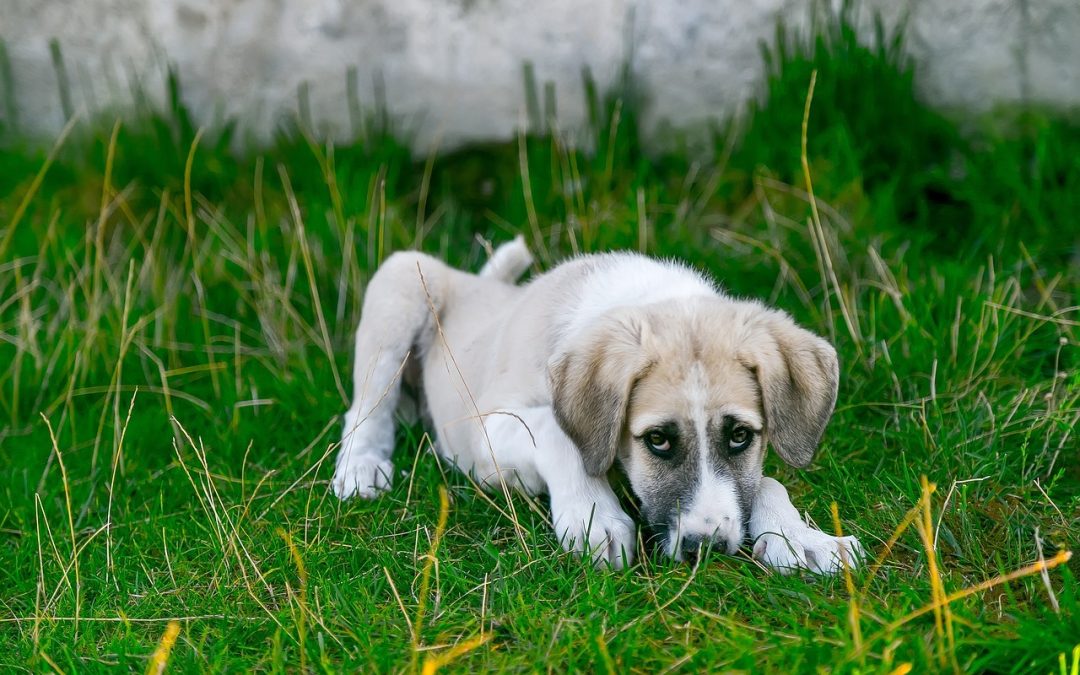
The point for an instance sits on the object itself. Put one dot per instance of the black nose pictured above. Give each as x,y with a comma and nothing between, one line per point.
694,545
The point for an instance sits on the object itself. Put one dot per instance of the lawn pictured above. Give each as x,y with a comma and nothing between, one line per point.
175,338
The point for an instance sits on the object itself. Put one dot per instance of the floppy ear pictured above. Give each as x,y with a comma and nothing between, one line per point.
798,374
591,384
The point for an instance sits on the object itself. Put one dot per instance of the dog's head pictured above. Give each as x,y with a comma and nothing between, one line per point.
686,395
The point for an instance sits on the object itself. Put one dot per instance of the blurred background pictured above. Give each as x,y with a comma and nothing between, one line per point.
465,70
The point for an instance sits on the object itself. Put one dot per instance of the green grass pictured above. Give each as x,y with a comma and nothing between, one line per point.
164,324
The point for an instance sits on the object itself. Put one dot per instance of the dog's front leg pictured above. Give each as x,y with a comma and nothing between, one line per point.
588,519
585,513
784,542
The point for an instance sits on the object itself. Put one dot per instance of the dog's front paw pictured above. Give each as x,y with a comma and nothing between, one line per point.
807,548
362,475
605,533
783,554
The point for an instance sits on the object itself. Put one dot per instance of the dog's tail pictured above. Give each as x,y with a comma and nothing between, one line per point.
509,261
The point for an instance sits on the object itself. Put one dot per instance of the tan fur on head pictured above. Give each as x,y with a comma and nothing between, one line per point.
649,352
798,373
695,365
591,386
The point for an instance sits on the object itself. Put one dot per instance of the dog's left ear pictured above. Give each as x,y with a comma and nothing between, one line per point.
798,373
591,385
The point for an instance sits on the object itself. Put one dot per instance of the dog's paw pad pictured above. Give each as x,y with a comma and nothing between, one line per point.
364,476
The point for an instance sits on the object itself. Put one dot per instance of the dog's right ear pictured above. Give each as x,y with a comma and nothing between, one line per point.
798,374
591,384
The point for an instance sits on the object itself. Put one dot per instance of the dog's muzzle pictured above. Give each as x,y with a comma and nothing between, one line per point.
689,547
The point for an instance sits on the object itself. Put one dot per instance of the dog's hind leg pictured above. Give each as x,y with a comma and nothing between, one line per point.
509,261
396,323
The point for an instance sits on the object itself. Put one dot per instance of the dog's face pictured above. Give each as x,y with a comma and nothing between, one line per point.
693,449
686,396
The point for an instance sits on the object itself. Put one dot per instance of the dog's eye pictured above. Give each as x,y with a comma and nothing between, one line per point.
740,439
658,442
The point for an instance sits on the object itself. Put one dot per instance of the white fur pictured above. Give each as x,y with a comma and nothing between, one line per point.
634,281
486,348
713,514
509,261
784,542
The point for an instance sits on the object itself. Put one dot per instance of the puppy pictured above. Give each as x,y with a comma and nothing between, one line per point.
606,359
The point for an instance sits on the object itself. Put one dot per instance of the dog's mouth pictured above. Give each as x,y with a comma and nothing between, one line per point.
668,541
691,548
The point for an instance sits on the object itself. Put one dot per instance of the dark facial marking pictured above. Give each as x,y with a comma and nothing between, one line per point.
729,438
674,472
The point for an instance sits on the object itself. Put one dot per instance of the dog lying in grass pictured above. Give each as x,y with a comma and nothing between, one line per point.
606,359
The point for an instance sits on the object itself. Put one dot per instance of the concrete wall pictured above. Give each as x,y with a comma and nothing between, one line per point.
454,68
